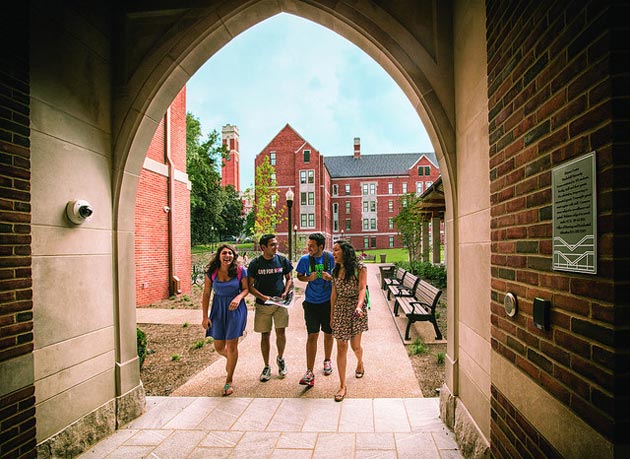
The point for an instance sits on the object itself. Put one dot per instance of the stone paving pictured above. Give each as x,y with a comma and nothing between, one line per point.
383,415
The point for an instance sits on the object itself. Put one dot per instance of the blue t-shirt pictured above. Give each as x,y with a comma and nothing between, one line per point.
319,290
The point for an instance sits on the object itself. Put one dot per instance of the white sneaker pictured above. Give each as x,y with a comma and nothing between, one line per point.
282,367
266,374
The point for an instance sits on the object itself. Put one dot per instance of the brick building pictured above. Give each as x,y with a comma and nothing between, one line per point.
162,215
230,169
355,197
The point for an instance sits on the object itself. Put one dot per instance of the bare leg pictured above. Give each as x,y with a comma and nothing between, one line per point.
264,347
311,350
328,345
232,358
281,342
219,346
355,343
342,351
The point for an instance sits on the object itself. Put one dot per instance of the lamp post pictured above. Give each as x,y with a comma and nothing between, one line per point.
289,196
295,239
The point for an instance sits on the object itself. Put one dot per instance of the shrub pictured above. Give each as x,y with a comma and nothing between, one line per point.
199,344
176,357
417,347
141,340
440,358
434,274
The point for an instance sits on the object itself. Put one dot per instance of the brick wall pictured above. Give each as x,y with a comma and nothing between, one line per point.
17,408
551,98
152,222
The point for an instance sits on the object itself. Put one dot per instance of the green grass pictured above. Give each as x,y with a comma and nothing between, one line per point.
391,255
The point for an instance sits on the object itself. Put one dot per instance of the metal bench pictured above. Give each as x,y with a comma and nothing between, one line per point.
420,307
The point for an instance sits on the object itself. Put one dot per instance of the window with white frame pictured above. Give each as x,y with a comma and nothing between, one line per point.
390,223
364,189
373,242
390,188
372,206
335,208
347,189
391,242
311,220
366,224
390,205
311,176
348,224
311,198
335,225
404,187
307,156
366,242
419,188
372,223
429,184
272,158
302,176
303,220
335,190
372,188
347,207
274,179
366,205
273,200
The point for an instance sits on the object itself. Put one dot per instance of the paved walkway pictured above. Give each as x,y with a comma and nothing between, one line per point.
384,414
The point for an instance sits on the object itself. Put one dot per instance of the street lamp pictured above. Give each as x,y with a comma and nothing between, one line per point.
289,197
295,239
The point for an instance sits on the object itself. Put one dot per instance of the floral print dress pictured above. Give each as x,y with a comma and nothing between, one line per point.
345,324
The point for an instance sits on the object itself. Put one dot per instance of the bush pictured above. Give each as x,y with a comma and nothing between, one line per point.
141,339
434,274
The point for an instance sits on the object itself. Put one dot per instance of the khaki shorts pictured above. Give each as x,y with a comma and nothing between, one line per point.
266,316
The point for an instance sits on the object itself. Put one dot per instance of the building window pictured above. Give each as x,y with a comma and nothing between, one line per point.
419,188
274,178
366,224
335,208
311,176
372,206
347,189
391,242
365,206
390,188
364,189
335,190
429,184
274,199
307,156
348,225
303,198
372,223
335,225
390,206
390,223
373,242
272,158
303,220
311,198
311,220
372,188
404,188
403,201
302,176
366,242
424,170
347,207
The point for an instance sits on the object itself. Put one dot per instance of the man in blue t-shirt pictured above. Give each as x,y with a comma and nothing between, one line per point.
316,268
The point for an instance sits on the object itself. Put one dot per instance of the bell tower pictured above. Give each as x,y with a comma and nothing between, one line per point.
230,171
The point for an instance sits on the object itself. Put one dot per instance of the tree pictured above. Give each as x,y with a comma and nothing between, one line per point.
409,225
207,200
232,215
267,213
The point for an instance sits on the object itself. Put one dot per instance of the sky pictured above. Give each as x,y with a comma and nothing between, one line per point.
290,70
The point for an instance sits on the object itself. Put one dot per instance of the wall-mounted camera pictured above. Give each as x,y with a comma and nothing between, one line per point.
79,211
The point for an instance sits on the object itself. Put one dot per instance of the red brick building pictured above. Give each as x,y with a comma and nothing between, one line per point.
230,169
162,215
355,197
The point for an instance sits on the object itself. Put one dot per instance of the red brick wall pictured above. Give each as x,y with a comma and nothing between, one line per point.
152,222
17,409
552,98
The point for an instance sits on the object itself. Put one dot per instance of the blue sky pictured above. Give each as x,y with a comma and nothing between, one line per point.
290,70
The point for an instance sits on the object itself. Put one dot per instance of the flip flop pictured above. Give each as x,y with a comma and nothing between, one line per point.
227,390
339,397
359,374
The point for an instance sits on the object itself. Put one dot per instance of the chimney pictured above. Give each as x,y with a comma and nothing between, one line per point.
357,148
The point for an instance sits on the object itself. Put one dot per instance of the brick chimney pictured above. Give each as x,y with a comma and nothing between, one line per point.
357,148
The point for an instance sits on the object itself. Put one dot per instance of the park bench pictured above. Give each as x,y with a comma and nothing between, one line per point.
396,279
369,257
406,288
420,307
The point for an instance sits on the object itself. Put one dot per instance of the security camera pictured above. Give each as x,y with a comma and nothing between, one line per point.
79,211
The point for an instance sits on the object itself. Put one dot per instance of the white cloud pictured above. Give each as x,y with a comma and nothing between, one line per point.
290,70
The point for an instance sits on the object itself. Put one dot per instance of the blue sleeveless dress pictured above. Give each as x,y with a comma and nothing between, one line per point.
227,324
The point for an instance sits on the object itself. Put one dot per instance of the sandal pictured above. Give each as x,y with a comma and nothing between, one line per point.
227,390
359,374
339,396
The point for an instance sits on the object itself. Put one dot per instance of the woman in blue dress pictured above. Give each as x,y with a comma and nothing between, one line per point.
228,315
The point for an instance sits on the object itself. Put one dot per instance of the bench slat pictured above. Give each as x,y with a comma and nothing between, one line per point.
420,307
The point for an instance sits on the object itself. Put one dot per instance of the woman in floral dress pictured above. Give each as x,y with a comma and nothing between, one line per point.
348,309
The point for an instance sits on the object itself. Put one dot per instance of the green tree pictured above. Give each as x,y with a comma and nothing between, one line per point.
267,211
231,219
207,200
408,222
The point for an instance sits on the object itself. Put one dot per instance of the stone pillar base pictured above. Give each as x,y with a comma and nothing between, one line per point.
95,426
472,444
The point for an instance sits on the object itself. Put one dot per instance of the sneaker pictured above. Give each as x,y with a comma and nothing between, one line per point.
282,367
327,368
308,379
266,374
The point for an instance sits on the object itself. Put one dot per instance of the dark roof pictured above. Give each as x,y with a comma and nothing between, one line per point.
374,165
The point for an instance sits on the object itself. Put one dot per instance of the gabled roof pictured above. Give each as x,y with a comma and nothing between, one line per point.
374,165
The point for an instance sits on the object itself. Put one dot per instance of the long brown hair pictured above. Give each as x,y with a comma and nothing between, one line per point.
215,261
350,261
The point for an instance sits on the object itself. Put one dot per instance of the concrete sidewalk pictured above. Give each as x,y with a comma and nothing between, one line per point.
383,415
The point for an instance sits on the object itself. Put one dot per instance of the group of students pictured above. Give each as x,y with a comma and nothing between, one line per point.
335,303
